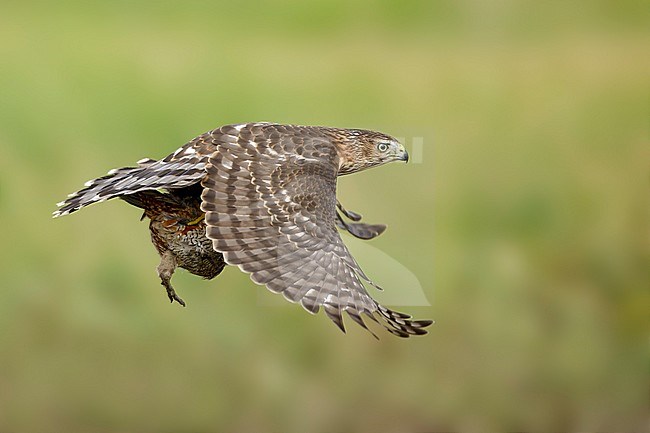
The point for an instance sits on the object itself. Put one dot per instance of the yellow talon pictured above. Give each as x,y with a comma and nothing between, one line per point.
196,221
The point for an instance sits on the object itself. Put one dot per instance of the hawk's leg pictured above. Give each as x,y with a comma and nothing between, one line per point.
357,229
348,213
165,271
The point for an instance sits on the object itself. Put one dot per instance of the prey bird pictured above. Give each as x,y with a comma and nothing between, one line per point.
261,196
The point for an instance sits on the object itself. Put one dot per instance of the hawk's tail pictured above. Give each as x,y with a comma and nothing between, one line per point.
149,175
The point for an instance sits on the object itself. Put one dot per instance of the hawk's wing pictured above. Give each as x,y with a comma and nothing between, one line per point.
270,203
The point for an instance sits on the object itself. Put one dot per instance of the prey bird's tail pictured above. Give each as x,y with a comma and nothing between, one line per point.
148,175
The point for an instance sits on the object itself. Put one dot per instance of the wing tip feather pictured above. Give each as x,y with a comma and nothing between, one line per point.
400,324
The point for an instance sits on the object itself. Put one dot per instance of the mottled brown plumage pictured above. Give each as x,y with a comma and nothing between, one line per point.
268,192
177,227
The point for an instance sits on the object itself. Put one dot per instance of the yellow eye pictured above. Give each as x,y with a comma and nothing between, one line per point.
382,147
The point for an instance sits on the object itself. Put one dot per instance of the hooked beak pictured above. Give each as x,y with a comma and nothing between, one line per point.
403,156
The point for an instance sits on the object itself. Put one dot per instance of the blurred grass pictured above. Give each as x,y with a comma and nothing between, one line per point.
525,223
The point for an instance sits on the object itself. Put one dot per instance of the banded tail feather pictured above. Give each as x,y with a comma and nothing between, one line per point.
149,175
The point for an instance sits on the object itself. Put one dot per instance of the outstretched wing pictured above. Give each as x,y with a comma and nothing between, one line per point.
270,203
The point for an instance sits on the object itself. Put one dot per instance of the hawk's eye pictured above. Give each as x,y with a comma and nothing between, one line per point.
382,147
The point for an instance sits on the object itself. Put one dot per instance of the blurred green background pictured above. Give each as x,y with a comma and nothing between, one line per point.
525,221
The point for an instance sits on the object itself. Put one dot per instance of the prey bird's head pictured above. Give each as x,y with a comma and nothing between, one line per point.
361,149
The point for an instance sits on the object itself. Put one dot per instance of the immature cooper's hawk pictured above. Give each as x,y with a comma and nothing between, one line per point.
261,196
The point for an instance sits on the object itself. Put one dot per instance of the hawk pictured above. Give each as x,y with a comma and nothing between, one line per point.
261,196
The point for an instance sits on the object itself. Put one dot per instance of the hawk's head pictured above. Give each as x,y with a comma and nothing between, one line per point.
360,149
